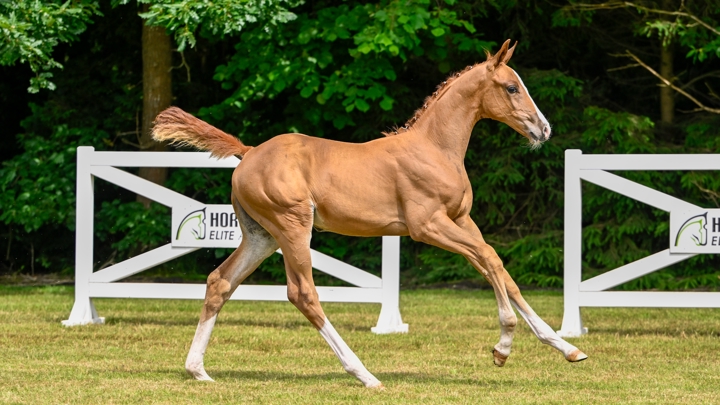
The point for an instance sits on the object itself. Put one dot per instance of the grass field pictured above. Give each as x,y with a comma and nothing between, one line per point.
268,353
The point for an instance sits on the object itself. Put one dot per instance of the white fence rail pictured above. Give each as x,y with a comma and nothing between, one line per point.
591,292
103,283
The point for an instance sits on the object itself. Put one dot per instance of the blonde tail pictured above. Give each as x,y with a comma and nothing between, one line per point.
180,128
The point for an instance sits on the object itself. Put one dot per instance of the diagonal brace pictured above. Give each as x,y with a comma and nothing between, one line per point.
636,191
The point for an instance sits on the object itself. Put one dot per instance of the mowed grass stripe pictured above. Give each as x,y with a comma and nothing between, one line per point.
265,352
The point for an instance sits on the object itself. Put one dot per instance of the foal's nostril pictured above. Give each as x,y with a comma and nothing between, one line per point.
546,132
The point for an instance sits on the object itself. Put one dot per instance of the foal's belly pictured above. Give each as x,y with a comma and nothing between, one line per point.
353,219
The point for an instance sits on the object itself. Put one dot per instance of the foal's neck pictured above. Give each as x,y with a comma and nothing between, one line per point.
449,119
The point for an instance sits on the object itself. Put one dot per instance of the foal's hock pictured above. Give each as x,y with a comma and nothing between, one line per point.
414,183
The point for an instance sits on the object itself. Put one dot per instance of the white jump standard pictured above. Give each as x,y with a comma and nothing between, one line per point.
687,237
367,288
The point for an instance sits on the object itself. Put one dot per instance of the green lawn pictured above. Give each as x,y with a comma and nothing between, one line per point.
268,353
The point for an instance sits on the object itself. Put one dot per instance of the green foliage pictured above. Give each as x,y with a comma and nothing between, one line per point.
569,17
693,26
31,29
140,228
441,265
214,19
617,132
342,58
700,36
211,186
38,186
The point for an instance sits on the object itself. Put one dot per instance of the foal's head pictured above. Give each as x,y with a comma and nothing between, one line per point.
507,99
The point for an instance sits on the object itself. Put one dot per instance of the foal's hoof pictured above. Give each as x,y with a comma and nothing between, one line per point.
379,386
576,356
204,378
200,375
499,358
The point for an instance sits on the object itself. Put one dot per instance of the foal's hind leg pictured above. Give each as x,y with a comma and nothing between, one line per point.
295,244
256,246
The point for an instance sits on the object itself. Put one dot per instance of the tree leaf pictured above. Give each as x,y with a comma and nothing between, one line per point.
438,31
362,105
307,92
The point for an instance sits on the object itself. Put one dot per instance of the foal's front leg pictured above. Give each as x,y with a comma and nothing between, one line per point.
541,329
439,230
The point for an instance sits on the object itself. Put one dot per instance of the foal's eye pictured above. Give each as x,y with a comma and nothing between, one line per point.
512,89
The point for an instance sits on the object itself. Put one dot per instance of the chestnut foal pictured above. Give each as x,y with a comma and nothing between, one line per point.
412,183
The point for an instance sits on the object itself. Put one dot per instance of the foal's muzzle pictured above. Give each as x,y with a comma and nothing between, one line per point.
540,135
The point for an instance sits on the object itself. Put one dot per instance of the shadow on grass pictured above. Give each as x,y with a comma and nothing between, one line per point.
6,290
388,379
136,320
250,323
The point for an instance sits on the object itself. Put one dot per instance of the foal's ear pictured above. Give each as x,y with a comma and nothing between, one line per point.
503,55
509,52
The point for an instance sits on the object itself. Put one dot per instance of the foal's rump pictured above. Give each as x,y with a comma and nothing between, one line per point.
343,185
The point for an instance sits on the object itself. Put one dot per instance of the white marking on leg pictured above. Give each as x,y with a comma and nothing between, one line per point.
546,334
194,363
350,362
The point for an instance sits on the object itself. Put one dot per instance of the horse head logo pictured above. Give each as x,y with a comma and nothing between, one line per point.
192,225
693,231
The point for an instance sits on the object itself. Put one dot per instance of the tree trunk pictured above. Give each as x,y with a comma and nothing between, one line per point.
667,100
157,94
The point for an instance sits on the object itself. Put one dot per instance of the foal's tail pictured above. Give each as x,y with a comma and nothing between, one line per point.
180,128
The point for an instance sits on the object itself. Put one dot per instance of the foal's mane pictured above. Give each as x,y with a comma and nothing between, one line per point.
428,101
